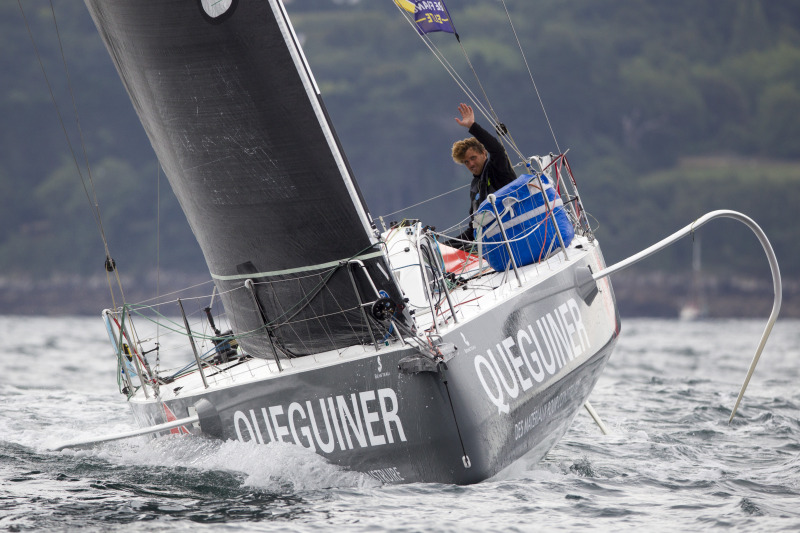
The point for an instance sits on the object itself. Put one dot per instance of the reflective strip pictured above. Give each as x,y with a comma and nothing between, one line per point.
494,229
308,268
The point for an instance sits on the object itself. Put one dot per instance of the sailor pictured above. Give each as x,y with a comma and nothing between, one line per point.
485,157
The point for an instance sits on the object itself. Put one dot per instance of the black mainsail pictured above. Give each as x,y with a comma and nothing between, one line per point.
234,115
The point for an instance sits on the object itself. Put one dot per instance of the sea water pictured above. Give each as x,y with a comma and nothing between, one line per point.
670,463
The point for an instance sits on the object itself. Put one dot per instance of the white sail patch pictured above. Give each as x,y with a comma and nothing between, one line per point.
362,419
537,351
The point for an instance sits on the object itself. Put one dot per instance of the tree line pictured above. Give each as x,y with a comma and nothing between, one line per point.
669,109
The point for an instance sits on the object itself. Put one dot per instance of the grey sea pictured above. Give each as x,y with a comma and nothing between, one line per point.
670,463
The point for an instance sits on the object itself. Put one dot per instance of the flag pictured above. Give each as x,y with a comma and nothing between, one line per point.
408,5
171,418
429,15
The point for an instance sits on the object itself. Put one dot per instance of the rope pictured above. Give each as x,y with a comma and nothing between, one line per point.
499,127
284,319
181,330
425,201
487,114
474,73
465,457
141,304
95,207
158,256
539,96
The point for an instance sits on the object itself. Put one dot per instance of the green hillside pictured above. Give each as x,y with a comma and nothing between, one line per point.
669,109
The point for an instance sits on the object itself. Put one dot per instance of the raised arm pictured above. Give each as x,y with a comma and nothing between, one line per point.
493,146
489,141
467,116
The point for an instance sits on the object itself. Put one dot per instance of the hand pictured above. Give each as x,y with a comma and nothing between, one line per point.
467,116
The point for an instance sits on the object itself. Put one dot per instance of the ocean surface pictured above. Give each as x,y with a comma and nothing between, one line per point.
671,463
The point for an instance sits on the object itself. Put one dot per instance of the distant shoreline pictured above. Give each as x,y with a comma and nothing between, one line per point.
661,295
639,294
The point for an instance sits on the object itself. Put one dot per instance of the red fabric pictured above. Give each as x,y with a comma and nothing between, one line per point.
171,417
457,261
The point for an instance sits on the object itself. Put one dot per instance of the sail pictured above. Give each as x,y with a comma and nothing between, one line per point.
234,115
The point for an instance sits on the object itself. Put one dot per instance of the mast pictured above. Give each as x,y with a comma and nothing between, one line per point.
315,97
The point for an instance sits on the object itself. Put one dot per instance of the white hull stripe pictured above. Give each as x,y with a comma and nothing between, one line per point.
494,228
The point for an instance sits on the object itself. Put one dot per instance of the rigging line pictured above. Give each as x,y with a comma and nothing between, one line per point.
143,302
303,302
451,70
475,100
324,323
96,205
180,329
110,288
55,104
158,255
457,226
493,120
290,325
95,211
445,63
342,311
426,201
315,291
457,77
462,84
470,94
474,73
467,91
427,41
345,313
539,96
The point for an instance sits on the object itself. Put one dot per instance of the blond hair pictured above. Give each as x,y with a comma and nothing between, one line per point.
460,148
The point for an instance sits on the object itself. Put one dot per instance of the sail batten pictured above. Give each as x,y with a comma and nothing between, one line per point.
236,120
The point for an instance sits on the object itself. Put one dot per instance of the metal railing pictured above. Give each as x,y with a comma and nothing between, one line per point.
128,351
429,254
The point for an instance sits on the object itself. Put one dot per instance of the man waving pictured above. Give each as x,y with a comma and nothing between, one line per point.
485,157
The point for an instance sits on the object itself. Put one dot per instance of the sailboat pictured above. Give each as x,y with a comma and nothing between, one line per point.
381,349
696,308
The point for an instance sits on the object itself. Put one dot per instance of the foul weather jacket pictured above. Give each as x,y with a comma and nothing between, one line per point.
497,172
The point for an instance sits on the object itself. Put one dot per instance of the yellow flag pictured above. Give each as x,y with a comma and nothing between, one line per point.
406,4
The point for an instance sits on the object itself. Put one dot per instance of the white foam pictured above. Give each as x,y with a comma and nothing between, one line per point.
264,466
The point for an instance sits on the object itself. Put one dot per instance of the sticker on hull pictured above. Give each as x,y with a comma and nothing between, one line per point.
362,419
537,351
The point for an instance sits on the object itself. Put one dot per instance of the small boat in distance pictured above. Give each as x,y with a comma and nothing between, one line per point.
696,308
382,349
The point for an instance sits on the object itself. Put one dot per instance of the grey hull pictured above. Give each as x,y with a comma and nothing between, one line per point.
520,373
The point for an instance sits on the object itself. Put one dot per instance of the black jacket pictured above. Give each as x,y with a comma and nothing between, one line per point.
497,172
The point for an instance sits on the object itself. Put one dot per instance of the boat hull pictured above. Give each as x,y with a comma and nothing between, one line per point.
521,371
